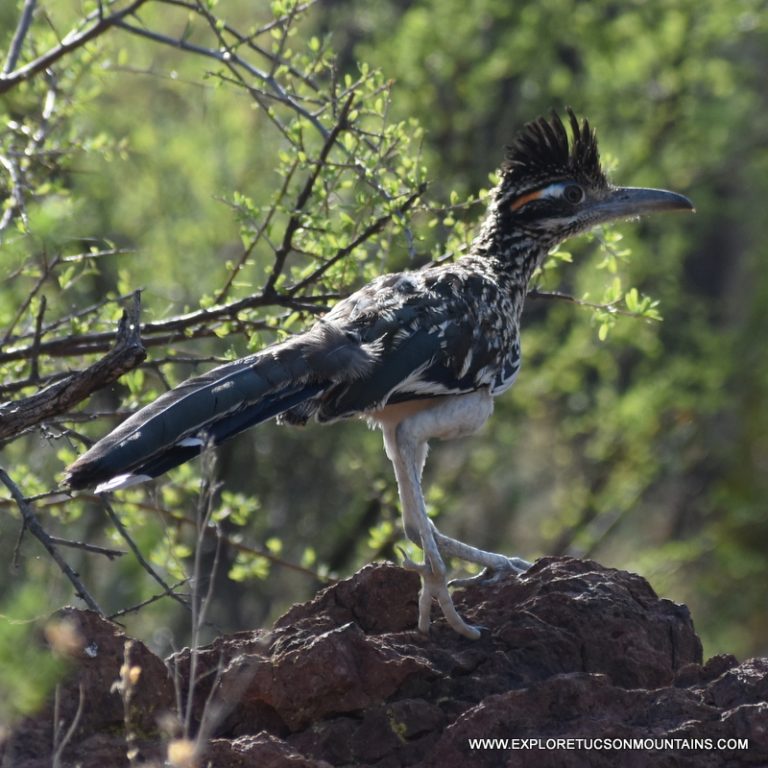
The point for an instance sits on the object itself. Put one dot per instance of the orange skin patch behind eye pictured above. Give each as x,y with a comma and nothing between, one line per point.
523,199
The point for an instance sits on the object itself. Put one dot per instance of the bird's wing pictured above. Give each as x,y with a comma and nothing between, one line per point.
437,332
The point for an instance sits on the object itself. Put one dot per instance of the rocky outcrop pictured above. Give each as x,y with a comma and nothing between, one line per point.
579,665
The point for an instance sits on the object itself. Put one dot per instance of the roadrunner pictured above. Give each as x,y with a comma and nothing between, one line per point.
418,354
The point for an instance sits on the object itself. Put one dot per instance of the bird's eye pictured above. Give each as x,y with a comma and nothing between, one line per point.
573,193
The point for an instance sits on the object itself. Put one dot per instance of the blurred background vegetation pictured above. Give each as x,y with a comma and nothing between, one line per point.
641,444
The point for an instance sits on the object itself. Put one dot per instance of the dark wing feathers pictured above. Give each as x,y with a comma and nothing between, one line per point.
399,364
434,332
221,429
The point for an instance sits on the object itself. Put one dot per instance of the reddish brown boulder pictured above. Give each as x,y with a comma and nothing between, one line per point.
579,665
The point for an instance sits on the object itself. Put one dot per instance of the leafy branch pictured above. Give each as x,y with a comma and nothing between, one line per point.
636,307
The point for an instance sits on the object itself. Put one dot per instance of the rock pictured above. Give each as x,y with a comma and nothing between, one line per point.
573,657
260,751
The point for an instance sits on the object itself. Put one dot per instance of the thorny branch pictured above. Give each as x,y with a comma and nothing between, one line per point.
270,90
144,603
372,229
108,552
256,239
25,22
281,253
174,517
48,268
201,599
204,321
200,323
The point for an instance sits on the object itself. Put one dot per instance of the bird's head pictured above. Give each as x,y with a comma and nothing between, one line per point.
553,187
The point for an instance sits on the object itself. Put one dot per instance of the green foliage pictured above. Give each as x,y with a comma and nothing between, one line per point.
28,670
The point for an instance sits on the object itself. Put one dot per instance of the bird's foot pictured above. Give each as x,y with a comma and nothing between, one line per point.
434,585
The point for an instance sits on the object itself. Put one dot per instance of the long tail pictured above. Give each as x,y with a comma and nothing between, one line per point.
219,404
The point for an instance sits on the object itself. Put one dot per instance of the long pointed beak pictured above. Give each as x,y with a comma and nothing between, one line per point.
626,202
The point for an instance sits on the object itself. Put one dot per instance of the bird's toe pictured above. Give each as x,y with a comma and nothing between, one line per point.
434,586
493,575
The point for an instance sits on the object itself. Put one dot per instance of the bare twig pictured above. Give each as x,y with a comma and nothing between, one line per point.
40,381
108,552
34,363
36,529
25,22
148,601
84,312
201,602
123,531
233,542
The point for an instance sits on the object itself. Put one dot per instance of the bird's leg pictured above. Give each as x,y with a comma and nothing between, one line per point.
491,561
406,445
407,455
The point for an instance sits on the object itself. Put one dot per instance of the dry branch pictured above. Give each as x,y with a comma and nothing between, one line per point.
127,354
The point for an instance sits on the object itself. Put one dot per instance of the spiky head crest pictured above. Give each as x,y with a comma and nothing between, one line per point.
542,153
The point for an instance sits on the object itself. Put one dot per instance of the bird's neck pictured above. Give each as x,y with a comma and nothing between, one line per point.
514,255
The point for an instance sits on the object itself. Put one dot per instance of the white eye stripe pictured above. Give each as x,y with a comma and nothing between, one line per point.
553,190
567,190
